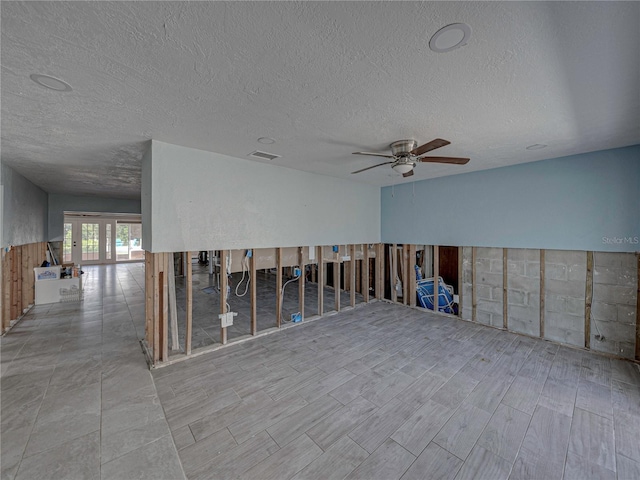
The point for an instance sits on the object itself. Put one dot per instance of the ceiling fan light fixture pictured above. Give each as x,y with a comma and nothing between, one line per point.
403,168
450,37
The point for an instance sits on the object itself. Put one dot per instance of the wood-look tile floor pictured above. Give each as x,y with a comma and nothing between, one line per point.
388,392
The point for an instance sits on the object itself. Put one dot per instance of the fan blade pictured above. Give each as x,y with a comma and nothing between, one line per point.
385,155
454,160
369,168
408,174
427,147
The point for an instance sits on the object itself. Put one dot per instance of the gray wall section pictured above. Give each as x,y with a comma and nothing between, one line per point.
583,202
613,311
24,209
564,285
58,204
467,283
489,286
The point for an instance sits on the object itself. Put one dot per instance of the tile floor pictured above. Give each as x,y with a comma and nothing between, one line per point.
378,392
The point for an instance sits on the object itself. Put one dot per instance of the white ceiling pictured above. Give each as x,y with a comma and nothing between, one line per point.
322,78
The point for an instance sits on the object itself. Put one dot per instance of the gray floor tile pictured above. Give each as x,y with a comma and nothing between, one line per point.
592,437
462,430
484,465
418,431
434,463
390,461
373,432
335,463
117,444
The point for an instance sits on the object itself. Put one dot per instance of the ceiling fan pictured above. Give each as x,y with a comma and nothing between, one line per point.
405,154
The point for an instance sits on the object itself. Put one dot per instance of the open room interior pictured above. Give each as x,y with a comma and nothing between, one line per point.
311,240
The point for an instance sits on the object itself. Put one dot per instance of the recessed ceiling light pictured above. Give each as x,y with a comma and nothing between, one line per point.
50,82
536,146
450,37
266,140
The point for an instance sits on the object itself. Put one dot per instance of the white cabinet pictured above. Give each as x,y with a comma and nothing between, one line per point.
50,288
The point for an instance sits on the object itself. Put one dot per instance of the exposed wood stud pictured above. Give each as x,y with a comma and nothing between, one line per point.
474,295
505,285
165,306
365,272
278,286
542,294
336,284
379,266
148,298
157,312
394,272
254,294
638,310
189,287
321,279
436,278
588,300
173,307
354,266
460,279
224,282
412,275
405,274
301,280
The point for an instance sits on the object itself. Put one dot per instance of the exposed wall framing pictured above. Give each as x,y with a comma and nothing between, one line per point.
18,280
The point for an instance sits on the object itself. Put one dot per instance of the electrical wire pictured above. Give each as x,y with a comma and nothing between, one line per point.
245,269
282,292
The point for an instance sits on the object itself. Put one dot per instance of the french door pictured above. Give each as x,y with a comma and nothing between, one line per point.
88,241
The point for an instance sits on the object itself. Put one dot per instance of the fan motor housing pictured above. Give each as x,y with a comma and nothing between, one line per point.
403,148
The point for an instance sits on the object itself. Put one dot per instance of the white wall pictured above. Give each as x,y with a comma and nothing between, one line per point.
24,209
202,200
58,204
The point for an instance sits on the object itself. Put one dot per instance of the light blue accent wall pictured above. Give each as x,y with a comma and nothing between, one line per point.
581,202
59,203
24,210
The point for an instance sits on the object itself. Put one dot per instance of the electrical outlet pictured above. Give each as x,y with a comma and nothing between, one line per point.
346,258
296,272
226,319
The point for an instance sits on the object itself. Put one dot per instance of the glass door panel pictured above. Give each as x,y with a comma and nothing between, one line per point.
90,244
67,243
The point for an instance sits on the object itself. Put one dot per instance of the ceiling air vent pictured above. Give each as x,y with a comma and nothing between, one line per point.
263,155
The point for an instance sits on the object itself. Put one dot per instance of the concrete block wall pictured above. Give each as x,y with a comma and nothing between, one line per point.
565,280
523,291
613,311
489,286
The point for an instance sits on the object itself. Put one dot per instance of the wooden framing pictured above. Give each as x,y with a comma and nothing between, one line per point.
321,279
224,282
542,307
379,266
474,295
505,285
638,310
165,305
354,266
173,308
148,298
365,272
436,278
412,275
279,287
405,274
254,294
157,312
336,284
301,280
394,272
189,288
588,298
460,279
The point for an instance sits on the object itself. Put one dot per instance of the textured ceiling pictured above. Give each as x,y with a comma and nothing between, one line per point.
323,79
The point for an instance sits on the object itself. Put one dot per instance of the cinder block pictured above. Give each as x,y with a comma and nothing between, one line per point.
483,265
569,289
483,292
622,276
622,349
567,257
575,306
626,314
524,326
490,307
614,331
615,294
524,254
491,253
496,321
603,311
497,293
523,283
564,321
467,312
515,268
496,266
613,259
570,337
555,271
532,269
555,303
483,317
517,297
486,278
577,273
529,314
